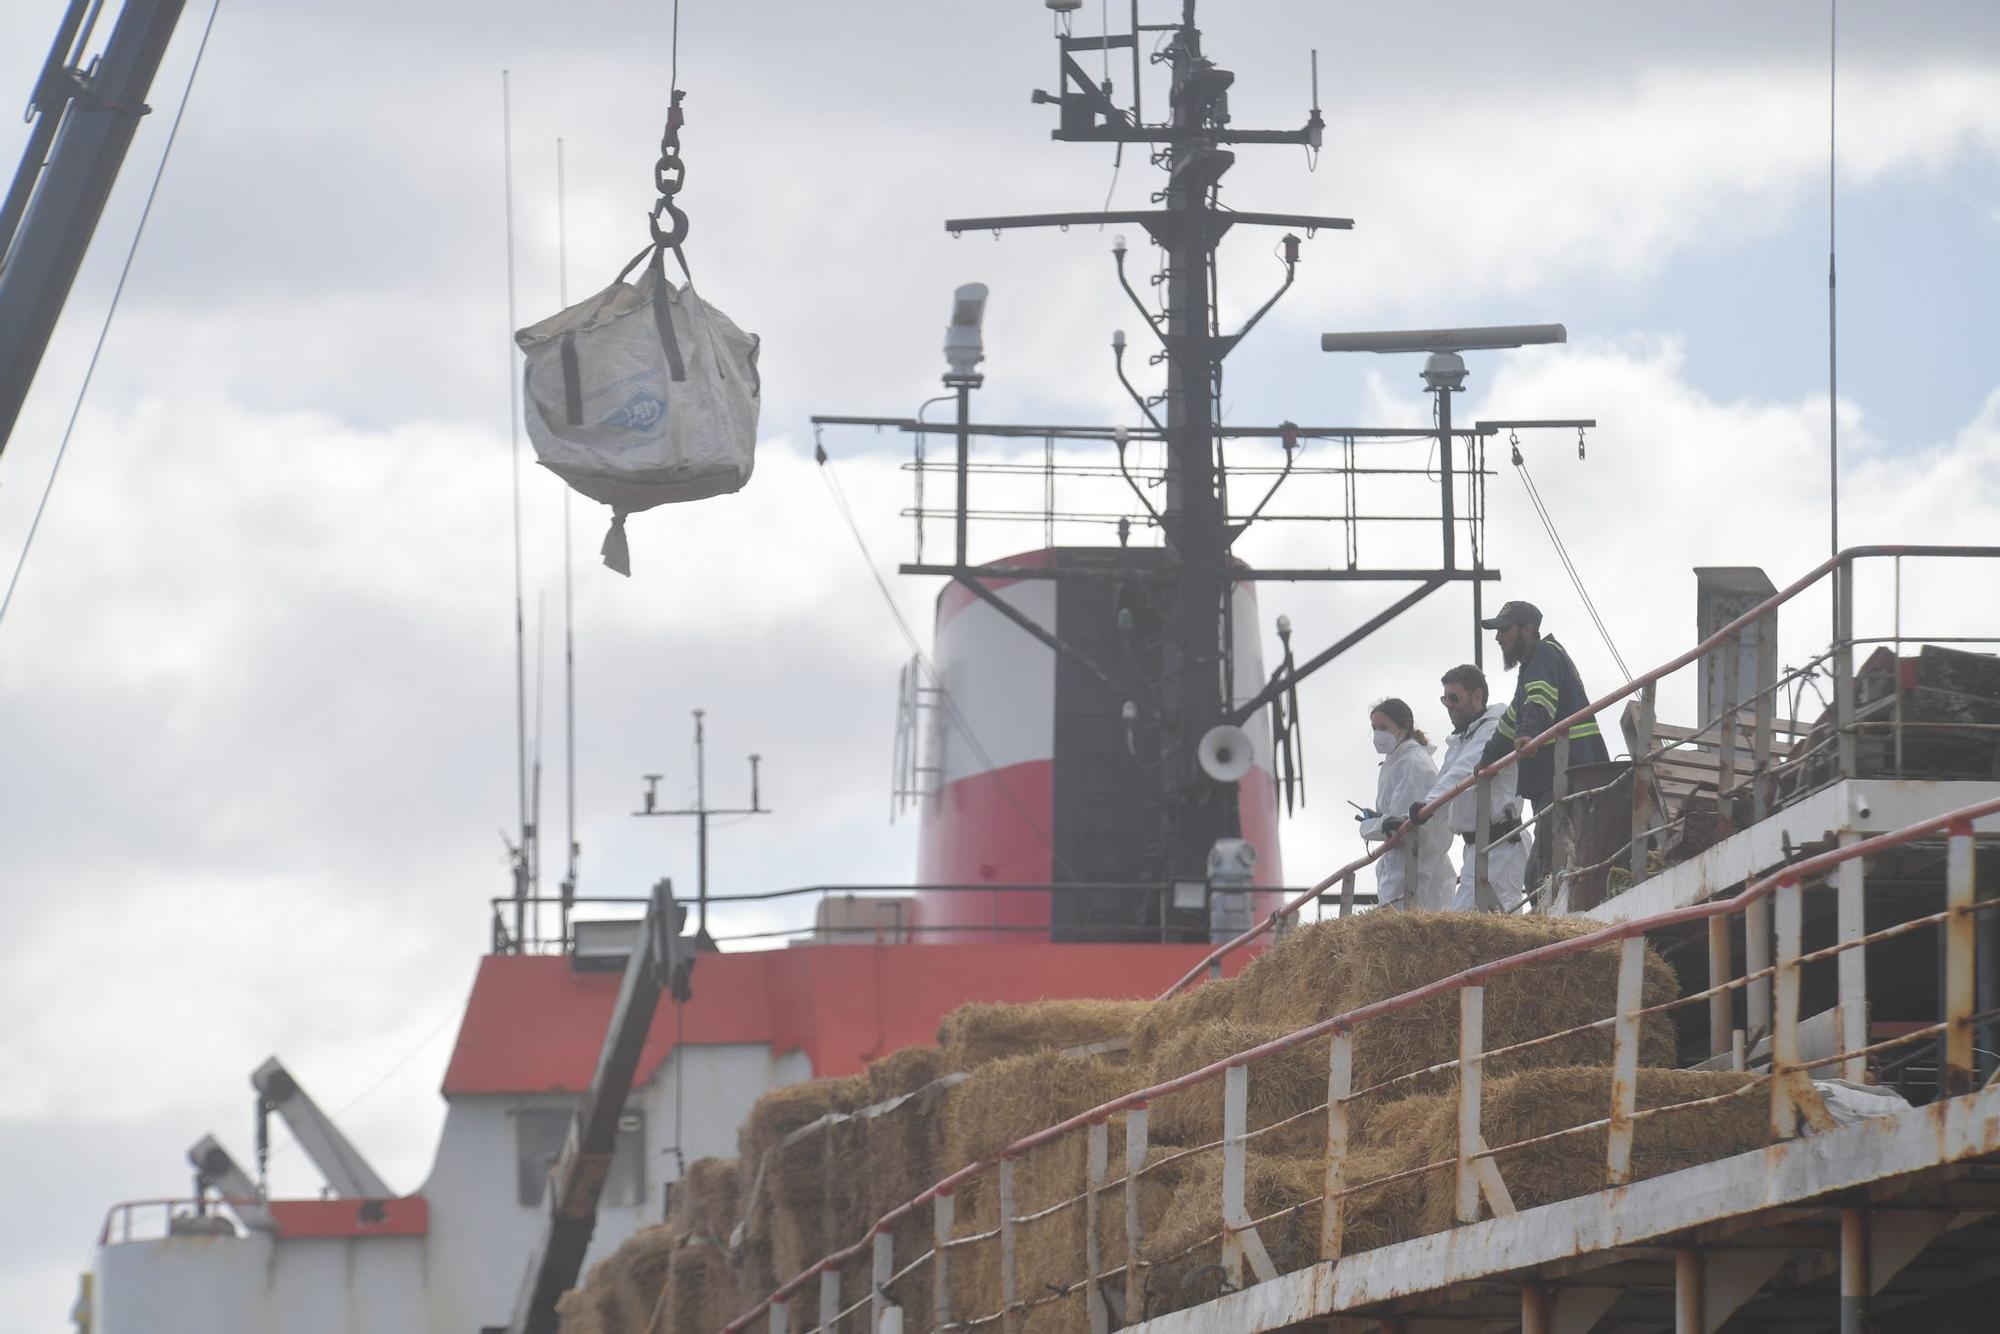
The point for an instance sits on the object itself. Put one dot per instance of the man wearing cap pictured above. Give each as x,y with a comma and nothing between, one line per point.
1546,688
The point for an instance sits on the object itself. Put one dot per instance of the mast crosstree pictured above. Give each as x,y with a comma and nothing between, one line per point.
1188,687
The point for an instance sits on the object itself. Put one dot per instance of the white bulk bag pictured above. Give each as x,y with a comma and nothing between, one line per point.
642,395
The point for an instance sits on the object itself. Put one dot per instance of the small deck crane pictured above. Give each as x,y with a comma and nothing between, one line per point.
662,960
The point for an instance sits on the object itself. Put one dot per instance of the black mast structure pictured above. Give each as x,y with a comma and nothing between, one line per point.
1192,690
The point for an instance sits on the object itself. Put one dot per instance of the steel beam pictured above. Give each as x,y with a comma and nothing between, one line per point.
1854,1287
1687,1292
1730,1190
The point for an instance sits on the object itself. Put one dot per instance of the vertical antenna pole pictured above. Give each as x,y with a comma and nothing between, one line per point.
964,455
522,854
1832,331
1138,109
701,829
569,591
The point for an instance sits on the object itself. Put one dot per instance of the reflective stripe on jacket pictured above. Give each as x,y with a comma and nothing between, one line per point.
1546,688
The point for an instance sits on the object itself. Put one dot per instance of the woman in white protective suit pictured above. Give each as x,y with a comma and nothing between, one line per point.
1407,775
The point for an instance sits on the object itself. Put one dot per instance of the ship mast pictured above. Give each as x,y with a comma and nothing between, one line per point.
1190,687
1195,679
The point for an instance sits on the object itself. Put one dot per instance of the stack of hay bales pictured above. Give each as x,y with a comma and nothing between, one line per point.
674,1275
782,1231
823,1160
820,1161
1333,968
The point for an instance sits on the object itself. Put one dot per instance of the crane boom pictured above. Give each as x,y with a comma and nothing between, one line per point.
662,960
84,124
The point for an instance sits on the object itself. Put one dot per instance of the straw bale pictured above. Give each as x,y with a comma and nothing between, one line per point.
903,1071
980,1032
702,1290
618,1294
1203,1004
789,1223
581,1311
1007,1099
1183,1268
998,1104
1524,1106
784,1109
1331,968
707,1200
756,1270
1279,1086
679,1268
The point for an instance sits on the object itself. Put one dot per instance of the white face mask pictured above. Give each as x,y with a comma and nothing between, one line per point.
1384,741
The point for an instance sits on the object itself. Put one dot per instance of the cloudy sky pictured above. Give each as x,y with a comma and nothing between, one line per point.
257,686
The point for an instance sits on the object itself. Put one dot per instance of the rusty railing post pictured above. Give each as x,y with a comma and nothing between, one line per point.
1097,1165
1010,1318
1757,959
1135,1237
1471,1011
1960,958
883,1258
1851,925
1843,665
829,1299
1240,1241
1896,661
1725,740
1642,782
1788,912
1347,895
1625,1060
1339,1083
943,1221
1558,827
1766,712
1721,969
781,1318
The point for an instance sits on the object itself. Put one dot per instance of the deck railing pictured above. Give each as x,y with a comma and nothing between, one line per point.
1771,908
1836,744
1476,1167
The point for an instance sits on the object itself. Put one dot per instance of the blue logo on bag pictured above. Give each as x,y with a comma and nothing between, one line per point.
640,413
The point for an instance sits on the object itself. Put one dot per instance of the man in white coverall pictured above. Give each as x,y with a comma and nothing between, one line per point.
1407,774
1473,721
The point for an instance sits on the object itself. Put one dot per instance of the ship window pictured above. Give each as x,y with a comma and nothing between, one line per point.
539,1134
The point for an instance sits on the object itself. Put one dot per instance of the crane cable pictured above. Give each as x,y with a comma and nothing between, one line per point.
62,450
1562,552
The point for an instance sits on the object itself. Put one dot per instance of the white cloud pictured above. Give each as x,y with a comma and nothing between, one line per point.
258,688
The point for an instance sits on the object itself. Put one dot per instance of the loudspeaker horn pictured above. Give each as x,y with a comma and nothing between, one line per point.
1224,753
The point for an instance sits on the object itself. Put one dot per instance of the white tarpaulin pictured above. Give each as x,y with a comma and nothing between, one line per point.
642,395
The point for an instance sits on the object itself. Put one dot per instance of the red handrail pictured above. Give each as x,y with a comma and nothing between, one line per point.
1556,729
1958,821
1955,821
